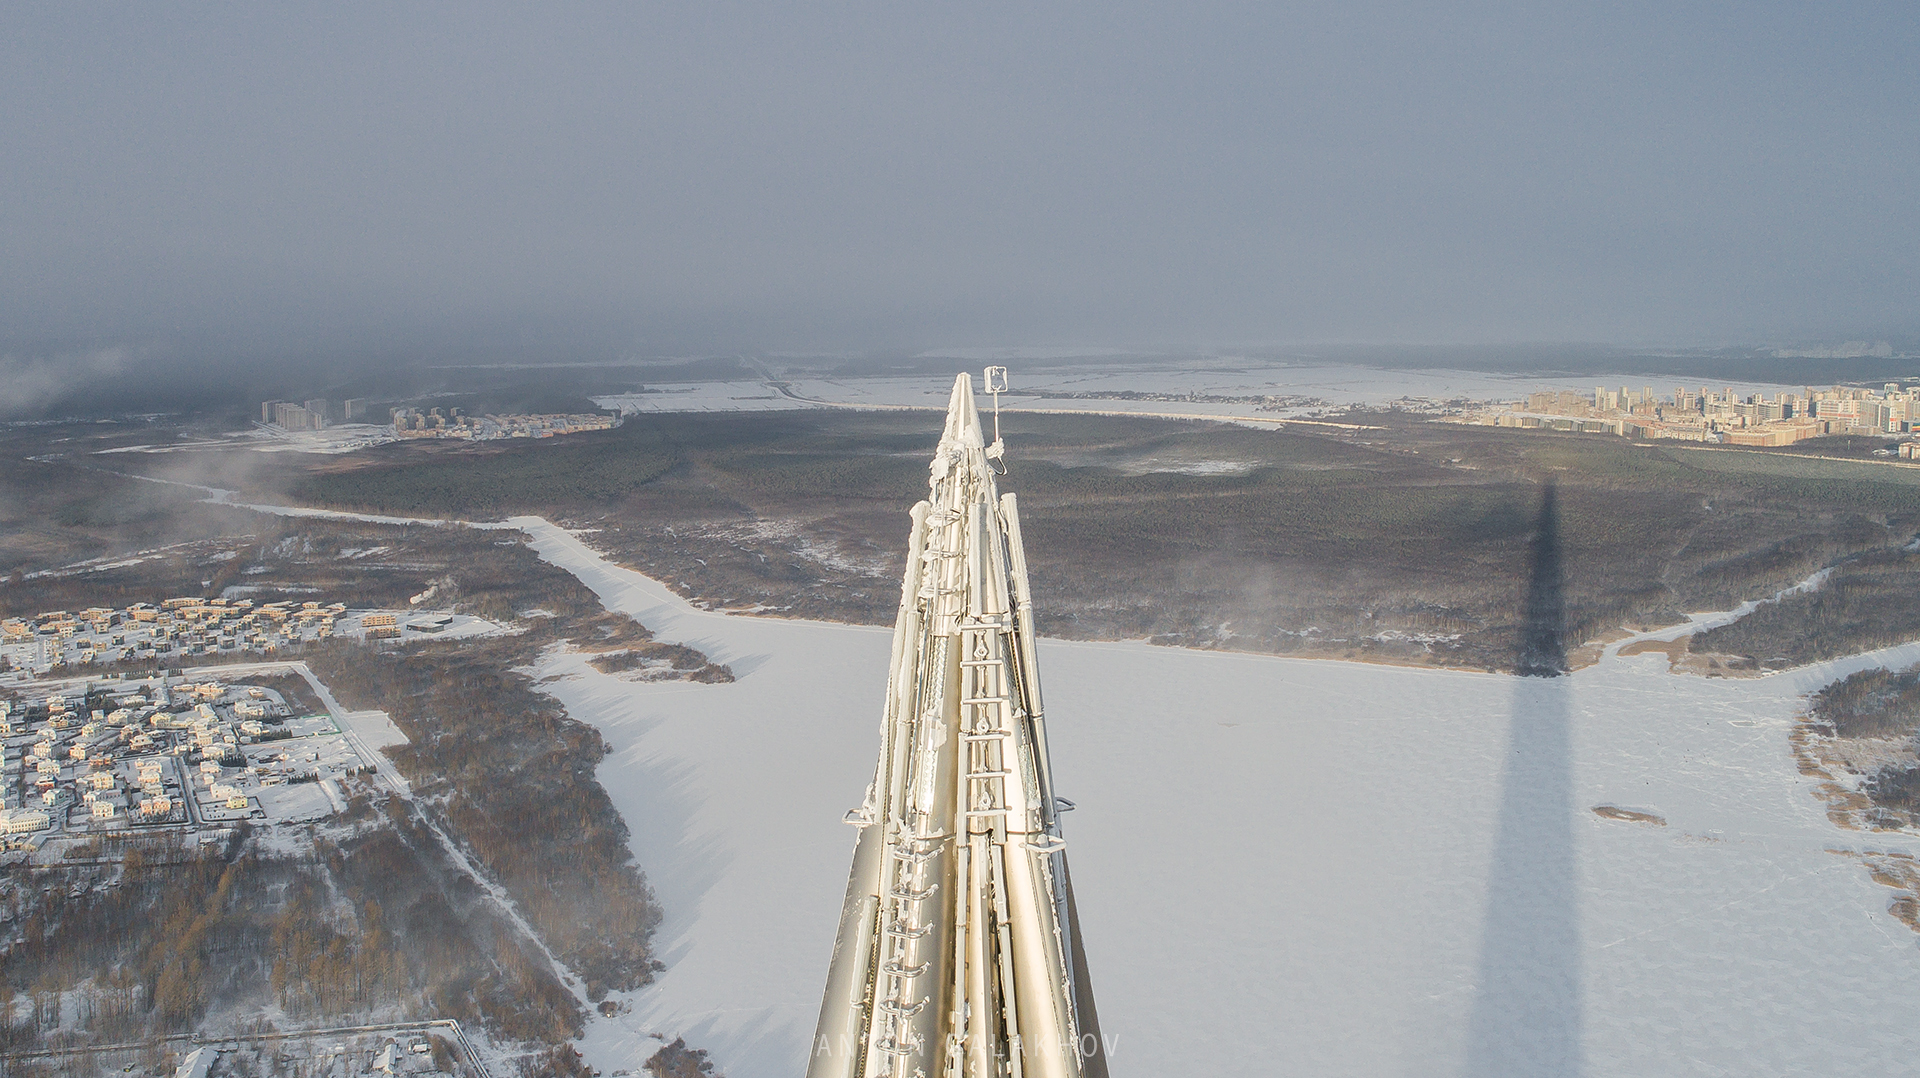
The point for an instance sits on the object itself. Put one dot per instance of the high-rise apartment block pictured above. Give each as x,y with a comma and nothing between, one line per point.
290,416
1783,418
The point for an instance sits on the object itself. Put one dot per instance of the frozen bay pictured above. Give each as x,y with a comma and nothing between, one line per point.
1287,866
1225,388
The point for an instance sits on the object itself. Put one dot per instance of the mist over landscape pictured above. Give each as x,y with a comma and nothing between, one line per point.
329,190
478,484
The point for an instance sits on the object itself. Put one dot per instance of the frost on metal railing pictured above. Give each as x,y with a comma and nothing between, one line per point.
959,947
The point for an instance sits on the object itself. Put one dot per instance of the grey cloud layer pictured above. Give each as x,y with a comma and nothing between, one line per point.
823,176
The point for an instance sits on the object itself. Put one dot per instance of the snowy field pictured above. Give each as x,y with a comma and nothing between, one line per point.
1287,866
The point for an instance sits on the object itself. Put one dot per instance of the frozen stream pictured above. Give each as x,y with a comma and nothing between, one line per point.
1287,866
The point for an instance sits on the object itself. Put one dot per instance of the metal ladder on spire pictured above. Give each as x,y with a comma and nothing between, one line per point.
986,711
904,997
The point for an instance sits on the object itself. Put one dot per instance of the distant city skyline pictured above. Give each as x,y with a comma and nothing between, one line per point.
1782,417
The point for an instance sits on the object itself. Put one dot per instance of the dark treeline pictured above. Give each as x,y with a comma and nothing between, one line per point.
489,573
1879,704
1870,703
1407,543
379,924
487,482
676,1060
662,662
1403,542
506,768
513,777
292,688
1861,607
274,558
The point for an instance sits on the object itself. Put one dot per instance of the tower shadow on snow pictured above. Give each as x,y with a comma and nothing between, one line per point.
1543,618
1527,1013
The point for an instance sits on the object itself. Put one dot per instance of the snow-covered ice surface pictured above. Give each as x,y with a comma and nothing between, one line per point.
1288,866
703,397
1338,385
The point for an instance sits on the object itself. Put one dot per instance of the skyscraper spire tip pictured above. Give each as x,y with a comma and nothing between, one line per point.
963,419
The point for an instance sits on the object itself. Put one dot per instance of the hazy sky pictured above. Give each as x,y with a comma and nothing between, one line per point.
694,177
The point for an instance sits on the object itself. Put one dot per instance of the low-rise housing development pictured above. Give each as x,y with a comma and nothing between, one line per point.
186,628
178,628
116,754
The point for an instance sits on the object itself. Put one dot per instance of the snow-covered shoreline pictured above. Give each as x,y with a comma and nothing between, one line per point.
1284,865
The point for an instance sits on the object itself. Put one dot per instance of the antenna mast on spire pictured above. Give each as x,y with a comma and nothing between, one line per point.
996,384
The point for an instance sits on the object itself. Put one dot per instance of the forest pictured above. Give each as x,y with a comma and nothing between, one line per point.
1403,543
1861,607
488,481
513,777
376,923
500,762
1869,723
1875,703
